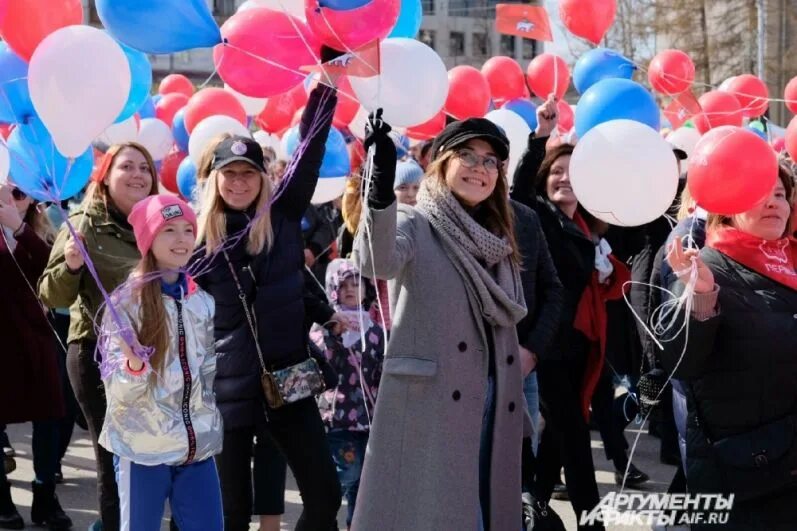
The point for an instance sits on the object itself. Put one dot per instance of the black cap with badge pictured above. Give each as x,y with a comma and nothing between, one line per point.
238,149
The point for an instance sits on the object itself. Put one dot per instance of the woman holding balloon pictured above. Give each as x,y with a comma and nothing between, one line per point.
740,301
252,265
125,176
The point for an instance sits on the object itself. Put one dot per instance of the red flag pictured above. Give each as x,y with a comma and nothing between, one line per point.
530,22
683,107
362,62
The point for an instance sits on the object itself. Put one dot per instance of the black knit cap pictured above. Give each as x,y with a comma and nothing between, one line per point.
458,133
238,149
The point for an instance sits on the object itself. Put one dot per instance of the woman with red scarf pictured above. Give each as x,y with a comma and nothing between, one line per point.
569,370
738,360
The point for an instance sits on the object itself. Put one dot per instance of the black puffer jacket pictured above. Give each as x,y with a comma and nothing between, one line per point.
272,281
541,286
741,365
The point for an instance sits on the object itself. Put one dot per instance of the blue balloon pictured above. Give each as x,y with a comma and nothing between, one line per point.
160,26
147,110
598,64
39,169
409,21
336,158
140,82
525,109
15,103
179,132
616,99
343,5
186,178
156,99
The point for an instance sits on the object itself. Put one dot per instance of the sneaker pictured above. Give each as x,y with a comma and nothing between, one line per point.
634,478
560,492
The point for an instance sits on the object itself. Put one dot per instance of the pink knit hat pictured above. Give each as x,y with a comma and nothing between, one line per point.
150,215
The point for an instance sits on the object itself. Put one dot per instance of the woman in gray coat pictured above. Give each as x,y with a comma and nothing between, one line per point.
445,446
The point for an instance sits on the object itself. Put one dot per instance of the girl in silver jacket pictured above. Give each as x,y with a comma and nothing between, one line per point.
158,365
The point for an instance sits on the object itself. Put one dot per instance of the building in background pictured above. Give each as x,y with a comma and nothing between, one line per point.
461,31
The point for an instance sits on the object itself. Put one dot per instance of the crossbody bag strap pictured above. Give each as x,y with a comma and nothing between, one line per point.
247,312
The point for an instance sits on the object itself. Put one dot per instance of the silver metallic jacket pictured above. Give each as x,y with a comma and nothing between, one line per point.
169,418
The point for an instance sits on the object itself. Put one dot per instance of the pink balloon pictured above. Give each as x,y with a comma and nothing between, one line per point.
351,28
566,116
264,51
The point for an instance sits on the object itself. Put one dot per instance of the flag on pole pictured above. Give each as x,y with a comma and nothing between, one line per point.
530,22
362,62
682,107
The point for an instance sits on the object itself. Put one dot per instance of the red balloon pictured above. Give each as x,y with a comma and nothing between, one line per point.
297,117
169,105
280,109
731,169
28,22
778,144
348,104
5,130
505,78
210,102
671,72
791,139
548,74
590,19
566,116
468,93
168,173
348,29
263,51
719,108
752,93
428,130
176,83
790,95
356,155
3,10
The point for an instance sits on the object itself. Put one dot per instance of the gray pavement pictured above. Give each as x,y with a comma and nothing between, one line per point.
78,492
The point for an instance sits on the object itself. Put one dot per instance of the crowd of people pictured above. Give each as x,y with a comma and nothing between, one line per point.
434,346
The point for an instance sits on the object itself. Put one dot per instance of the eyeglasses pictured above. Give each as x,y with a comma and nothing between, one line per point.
18,194
470,160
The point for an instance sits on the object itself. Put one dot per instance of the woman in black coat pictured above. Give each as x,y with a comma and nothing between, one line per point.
737,360
268,263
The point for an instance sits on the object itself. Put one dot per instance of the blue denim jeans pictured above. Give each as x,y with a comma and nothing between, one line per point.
532,393
348,452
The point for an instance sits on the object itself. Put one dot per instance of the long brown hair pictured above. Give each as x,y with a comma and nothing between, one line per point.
153,328
499,217
37,219
97,191
715,221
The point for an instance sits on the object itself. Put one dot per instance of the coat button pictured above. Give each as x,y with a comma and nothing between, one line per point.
456,395
462,346
510,360
511,407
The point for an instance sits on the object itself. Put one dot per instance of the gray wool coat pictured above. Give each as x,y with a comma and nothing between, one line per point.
421,469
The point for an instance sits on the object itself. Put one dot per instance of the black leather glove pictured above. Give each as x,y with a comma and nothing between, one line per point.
381,194
328,54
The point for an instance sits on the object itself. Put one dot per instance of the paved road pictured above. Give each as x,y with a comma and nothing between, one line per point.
78,492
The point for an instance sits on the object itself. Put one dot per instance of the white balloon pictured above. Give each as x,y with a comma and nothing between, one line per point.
5,163
412,86
208,129
685,138
79,81
120,133
357,125
292,7
624,173
328,189
267,140
516,130
252,106
156,136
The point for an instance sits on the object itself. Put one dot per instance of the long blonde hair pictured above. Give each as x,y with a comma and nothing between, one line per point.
352,203
97,191
499,218
212,224
153,328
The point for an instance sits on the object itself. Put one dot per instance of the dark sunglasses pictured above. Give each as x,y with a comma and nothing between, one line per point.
18,194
